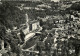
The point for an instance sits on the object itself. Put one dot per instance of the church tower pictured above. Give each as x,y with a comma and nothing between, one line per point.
27,20
26,30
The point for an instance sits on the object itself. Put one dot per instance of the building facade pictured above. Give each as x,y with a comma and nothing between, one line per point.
34,25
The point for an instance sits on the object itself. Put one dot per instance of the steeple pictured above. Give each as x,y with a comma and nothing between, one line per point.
27,19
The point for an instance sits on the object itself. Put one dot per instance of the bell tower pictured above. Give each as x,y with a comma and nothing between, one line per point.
27,20
26,30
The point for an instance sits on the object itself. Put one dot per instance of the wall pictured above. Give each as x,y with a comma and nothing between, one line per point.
34,26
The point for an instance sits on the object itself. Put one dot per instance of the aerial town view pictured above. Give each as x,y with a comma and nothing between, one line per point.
39,27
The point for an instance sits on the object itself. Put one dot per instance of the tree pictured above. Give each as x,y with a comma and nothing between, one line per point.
75,6
10,16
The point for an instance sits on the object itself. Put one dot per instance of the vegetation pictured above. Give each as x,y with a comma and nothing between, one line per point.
10,16
75,6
